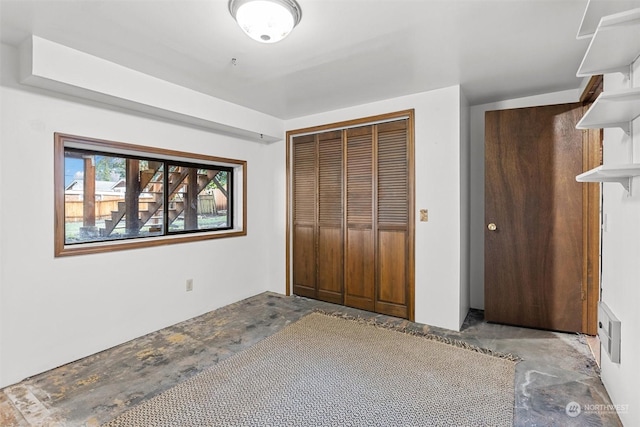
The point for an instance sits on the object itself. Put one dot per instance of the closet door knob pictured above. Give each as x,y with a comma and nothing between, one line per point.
492,227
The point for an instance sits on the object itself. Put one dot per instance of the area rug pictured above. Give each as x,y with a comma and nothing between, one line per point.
330,371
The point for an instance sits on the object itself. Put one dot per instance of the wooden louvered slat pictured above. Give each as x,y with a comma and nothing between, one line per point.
330,178
304,180
393,165
359,176
304,216
330,212
392,218
360,246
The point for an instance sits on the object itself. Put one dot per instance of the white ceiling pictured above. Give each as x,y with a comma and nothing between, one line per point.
343,52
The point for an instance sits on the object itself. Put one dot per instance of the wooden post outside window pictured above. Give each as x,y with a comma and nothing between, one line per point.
132,197
89,197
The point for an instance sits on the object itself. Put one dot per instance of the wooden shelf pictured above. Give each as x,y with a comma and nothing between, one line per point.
596,9
613,109
614,46
621,174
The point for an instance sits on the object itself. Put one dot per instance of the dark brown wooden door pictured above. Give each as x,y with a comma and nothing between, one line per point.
534,254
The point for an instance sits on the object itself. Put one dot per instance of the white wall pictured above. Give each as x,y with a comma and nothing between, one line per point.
275,156
53,66
477,225
465,210
438,252
621,261
56,310
2,303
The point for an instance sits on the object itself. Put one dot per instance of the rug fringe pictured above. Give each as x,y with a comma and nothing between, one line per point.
430,336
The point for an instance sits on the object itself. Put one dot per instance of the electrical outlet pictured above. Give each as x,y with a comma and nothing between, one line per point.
189,285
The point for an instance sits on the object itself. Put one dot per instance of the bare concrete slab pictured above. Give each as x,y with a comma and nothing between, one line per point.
556,369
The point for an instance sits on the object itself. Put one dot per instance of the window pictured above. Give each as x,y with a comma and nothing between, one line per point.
112,196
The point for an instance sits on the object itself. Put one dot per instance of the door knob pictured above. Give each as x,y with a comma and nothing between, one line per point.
492,227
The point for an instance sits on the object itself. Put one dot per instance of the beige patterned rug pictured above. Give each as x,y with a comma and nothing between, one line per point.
329,371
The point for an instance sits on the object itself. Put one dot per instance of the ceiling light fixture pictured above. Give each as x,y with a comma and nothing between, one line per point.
267,21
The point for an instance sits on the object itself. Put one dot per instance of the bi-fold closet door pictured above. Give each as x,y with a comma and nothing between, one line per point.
352,234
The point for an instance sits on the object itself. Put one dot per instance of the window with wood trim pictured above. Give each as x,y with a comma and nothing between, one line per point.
111,196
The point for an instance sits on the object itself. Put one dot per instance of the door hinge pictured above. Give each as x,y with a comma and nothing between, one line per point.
583,295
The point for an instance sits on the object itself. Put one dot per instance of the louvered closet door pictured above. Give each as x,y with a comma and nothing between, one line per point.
304,216
360,254
330,216
392,265
352,231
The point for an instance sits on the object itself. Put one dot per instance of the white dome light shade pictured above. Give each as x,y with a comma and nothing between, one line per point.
267,21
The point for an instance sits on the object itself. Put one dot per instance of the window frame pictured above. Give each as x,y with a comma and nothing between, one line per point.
237,200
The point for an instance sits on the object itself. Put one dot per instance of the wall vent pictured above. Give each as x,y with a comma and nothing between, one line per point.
609,332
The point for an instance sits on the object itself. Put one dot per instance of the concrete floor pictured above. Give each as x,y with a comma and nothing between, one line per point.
556,368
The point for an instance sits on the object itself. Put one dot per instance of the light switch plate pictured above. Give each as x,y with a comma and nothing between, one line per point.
424,215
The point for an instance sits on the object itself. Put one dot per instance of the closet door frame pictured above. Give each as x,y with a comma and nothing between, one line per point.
405,114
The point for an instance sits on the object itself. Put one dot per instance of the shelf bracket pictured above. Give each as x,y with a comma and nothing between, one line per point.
626,71
625,126
626,183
